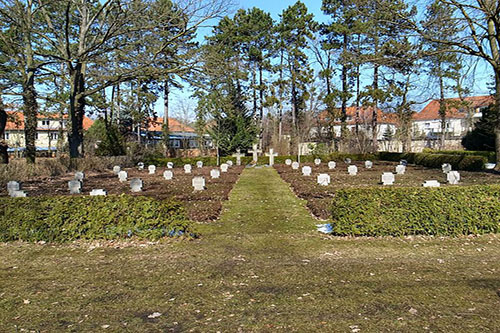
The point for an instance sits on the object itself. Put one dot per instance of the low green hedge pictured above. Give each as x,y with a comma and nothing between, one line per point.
490,155
458,162
447,211
60,219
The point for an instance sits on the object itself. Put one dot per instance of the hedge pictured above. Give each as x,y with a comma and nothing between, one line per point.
417,211
458,162
490,155
65,218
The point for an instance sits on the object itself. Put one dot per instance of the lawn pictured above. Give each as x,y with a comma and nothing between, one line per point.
261,267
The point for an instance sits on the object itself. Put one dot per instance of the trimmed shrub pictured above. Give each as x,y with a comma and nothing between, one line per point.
458,162
447,211
64,218
490,155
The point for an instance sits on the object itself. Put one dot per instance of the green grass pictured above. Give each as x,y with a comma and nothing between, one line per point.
262,267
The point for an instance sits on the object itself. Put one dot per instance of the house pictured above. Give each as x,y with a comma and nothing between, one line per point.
181,135
360,117
49,127
460,117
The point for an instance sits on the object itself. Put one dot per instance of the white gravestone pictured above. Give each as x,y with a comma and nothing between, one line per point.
170,165
136,185
323,179
347,161
317,161
75,186
13,186
168,174
490,166
288,162
199,164
453,177
79,176
388,178
116,169
18,194
295,165
98,192
152,169
403,162
255,153
199,183
271,156
431,183
187,168
368,164
400,169
238,156
306,170
214,173
446,167
229,163
122,176
352,170
140,166
224,167
332,165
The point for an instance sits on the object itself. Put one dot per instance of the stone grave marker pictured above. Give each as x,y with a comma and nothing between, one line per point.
168,174
332,165
352,170
431,183
347,161
98,192
136,185
490,166
453,177
403,162
122,176
198,183
199,164
140,166
271,156
13,186
317,161
238,156
306,170
187,168
18,194
152,169
116,169
388,178
288,162
323,179
75,186
295,165
170,165
79,176
215,173
255,153
224,167
368,164
229,162
400,169
446,167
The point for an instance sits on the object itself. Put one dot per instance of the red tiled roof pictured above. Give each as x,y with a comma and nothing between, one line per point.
365,116
155,125
15,120
431,111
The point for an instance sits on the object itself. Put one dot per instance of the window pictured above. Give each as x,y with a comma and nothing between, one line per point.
175,143
6,136
53,136
36,136
45,123
193,144
427,125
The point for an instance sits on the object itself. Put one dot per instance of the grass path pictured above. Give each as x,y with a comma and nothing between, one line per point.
261,268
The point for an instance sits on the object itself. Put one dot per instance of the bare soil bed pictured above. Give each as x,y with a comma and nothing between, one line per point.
319,197
200,205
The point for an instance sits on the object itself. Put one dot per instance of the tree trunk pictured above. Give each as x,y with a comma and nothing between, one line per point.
261,106
497,109
76,110
375,107
165,129
4,156
30,112
442,111
343,118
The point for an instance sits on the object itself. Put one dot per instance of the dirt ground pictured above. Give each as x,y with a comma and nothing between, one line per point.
200,205
318,197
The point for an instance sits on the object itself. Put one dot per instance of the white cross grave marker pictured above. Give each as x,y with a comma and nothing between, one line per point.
238,156
255,151
271,156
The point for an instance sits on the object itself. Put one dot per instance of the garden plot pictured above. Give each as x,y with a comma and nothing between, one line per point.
319,197
201,205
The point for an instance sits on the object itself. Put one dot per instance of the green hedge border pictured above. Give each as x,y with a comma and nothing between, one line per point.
450,211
